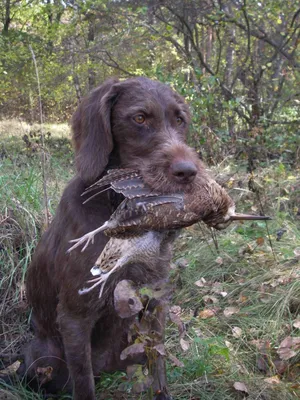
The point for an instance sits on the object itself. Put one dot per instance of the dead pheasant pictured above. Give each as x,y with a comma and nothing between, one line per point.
145,216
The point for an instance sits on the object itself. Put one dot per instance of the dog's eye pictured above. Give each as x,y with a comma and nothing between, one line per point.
139,119
179,121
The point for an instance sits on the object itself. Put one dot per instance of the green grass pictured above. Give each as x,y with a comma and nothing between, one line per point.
245,267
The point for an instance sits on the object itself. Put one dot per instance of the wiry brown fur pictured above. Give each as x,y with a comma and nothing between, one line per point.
80,336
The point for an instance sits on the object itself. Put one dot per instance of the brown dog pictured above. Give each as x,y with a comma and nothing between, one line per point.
137,123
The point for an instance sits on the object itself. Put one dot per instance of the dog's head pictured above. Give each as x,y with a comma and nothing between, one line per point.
140,123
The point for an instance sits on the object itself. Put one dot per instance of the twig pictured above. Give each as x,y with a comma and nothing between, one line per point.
44,175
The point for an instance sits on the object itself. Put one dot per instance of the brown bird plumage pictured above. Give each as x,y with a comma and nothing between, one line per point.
145,209
141,222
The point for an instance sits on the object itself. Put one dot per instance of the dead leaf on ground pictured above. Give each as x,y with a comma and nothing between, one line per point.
236,332
175,361
241,387
44,374
288,347
207,313
296,324
182,263
11,369
175,310
280,366
177,321
185,345
210,299
273,380
260,241
297,252
263,345
229,345
201,282
230,311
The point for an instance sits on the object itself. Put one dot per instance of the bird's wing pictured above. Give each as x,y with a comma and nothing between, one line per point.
113,175
127,182
131,210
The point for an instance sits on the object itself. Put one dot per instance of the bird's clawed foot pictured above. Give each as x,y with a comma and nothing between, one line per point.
87,239
100,281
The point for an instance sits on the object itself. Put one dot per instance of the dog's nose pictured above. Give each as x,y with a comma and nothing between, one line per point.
184,171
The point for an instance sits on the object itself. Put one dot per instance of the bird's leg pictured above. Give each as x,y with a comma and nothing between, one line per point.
88,237
101,280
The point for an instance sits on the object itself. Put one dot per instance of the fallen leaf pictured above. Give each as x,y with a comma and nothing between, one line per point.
260,241
288,347
228,345
175,310
297,252
160,348
44,374
241,387
185,345
207,313
262,363
230,311
180,325
280,366
210,299
175,360
182,263
219,260
273,380
236,332
296,324
133,350
201,282
11,369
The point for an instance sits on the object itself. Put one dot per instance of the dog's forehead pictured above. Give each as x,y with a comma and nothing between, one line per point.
148,94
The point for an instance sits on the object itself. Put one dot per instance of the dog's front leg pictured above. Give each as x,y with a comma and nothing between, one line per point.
76,335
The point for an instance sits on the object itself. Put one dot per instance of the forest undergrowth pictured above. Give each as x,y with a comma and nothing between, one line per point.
234,326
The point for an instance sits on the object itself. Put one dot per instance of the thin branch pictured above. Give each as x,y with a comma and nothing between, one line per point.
44,175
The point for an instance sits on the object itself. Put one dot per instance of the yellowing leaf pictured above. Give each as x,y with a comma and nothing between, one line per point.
273,380
207,313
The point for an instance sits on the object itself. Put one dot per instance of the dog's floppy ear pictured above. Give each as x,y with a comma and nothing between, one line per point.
92,136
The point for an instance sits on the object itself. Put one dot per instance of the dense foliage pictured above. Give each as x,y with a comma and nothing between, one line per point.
235,62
